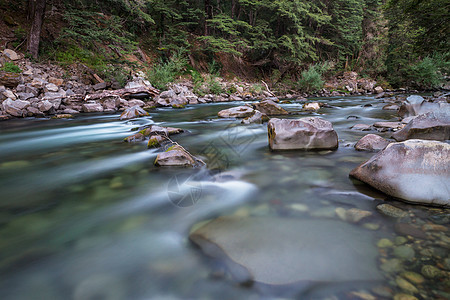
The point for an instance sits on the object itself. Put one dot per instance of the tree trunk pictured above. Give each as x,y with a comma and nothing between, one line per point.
208,15
36,14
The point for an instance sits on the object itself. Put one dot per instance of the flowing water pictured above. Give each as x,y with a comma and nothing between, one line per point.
84,215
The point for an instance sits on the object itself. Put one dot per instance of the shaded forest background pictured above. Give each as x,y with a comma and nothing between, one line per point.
401,43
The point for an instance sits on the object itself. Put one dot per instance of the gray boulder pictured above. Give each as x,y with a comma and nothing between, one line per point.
417,105
15,107
414,170
270,108
237,112
92,107
133,112
45,106
284,251
429,126
306,133
371,142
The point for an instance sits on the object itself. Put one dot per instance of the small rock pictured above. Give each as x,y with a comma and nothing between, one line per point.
56,81
413,277
237,112
404,297
407,229
133,112
99,86
378,90
393,265
270,108
51,87
388,126
361,127
391,107
353,215
429,126
371,142
431,271
12,55
257,118
313,106
15,107
404,252
155,141
136,102
391,211
405,285
45,106
138,137
92,107
177,156
384,243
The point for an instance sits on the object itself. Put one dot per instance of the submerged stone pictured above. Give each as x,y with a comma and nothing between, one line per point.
278,251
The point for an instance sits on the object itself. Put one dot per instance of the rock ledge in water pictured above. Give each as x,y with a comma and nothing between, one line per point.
283,251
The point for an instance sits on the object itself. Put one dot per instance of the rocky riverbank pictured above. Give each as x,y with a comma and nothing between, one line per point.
46,90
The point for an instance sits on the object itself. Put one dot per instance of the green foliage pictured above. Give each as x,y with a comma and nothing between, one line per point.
166,72
10,67
425,74
311,79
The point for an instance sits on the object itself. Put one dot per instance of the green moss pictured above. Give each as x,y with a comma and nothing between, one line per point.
178,106
153,143
10,67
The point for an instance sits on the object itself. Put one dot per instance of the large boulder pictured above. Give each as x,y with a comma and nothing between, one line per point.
414,170
306,133
269,108
237,112
16,108
429,126
417,105
133,112
371,142
284,251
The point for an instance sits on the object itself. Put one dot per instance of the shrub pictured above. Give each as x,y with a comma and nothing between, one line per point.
10,67
427,73
165,72
311,79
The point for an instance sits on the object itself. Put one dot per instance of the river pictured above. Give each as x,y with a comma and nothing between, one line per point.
84,215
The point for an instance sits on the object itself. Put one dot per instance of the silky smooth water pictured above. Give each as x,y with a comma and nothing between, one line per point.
84,215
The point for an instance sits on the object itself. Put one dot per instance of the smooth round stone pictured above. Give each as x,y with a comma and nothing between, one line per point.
392,266
405,285
371,226
391,211
413,277
400,240
299,207
404,252
404,297
447,263
430,271
384,243
283,251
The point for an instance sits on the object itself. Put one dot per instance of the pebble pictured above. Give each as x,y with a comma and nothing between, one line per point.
352,215
299,207
430,271
371,226
404,297
405,285
400,240
434,227
393,265
384,243
413,277
407,229
383,291
391,211
404,252
363,295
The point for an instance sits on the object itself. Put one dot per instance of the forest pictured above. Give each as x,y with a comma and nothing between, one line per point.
401,43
